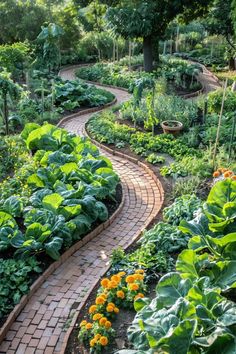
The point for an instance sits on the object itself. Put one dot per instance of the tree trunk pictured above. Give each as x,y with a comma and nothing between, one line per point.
147,53
5,114
231,63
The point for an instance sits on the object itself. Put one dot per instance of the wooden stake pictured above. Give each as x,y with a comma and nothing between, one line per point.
219,124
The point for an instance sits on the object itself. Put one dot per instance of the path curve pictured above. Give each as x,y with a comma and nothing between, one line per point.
41,326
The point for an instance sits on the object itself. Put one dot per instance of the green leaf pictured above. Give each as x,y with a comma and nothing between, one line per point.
170,288
53,247
13,205
140,303
69,167
189,264
52,201
35,181
224,274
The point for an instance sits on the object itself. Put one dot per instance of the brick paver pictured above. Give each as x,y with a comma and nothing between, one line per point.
41,326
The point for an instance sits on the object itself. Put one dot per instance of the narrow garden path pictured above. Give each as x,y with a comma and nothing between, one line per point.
208,80
41,326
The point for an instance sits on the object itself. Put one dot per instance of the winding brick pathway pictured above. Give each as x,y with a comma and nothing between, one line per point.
41,326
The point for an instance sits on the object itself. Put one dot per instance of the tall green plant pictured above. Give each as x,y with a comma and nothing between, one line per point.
8,89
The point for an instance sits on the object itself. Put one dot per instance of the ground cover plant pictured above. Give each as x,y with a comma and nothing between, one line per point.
198,296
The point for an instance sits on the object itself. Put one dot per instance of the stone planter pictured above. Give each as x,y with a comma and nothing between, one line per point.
172,127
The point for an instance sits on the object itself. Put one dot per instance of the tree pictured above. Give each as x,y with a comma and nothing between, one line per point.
220,22
148,19
20,20
8,89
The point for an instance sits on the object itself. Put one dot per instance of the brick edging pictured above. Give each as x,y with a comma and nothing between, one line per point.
138,233
63,258
194,94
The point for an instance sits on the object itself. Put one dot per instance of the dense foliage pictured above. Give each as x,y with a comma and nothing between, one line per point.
192,305
65,182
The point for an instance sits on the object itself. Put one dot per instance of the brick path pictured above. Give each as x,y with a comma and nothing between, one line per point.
41,326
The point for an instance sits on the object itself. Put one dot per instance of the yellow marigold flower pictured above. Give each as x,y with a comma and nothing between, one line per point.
89,326
121,274
115,278
102,321
92,309
100,300
105,282
116,310
83,323
109,308
130,279
92,343
139,271
97,337
112,284
138,296
97,316
139,277
108,324
103,295
103,341
120,294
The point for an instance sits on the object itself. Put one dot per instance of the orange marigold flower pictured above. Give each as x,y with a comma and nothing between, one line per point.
115,278
227,174
138,296
116,310
224,170
105,282
233,178
111,304
139,277
120,294
216,174
112,284
103,341
133,287
108,324
97,316
102,321
83,323
103,295
139,271
121,274
130,279
100,300
89,326
92,342
97,337
92,309
109,308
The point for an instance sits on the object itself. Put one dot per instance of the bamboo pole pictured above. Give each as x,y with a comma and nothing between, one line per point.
219,123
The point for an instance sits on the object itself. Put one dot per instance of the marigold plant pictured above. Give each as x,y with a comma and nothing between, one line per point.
118,291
